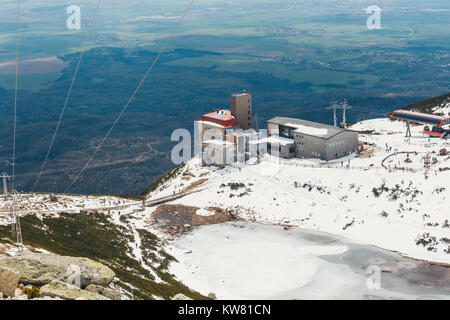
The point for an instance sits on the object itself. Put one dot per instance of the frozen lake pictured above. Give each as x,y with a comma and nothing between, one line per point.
254,261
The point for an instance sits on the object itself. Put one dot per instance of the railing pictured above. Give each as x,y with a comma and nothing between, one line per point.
336,166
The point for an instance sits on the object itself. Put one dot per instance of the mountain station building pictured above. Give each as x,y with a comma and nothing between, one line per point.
307,139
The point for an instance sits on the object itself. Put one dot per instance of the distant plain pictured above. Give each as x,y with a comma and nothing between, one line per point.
292,55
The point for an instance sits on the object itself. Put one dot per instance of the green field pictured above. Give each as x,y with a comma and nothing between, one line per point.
32,82
317,77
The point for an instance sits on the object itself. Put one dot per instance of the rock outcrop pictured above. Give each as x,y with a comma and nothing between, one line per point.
212,296
107,292
59,289
181,296
40,269
9,280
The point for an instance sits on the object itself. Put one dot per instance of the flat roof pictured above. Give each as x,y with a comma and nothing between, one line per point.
220,114
218,142
309,128
240,94
273,139
212,124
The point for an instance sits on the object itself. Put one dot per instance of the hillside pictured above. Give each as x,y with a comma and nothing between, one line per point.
377,197
384,197
430,105
109,230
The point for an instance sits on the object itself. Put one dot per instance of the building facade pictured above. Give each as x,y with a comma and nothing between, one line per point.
225,137
313,139
241,109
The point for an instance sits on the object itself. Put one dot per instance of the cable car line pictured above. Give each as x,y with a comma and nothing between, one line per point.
67,97
163,48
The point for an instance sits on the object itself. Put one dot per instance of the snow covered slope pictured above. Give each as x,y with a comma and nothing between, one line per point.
384,196
375,198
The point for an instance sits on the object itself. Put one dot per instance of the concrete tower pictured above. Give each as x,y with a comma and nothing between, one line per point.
241,109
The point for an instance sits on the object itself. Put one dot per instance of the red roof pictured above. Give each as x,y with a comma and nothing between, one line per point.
222,117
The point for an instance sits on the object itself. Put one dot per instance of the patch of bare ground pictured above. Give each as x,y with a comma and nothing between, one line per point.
195,184
176,219
188,173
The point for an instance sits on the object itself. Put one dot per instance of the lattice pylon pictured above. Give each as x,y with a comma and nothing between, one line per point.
18,231
16,227
13,222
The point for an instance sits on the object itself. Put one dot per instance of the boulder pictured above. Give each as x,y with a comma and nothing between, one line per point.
181,296
112,294
8,281
94,289
39,269
47,298
59,289
212,295
107,292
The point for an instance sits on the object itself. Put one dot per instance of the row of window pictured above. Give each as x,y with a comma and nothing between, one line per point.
314,154
298,143
337,143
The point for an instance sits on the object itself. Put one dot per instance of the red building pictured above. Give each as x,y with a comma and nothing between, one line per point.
221,117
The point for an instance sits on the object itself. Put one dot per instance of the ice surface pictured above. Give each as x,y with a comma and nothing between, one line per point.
254,261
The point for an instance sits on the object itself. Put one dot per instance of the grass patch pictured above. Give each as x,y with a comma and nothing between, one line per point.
195,184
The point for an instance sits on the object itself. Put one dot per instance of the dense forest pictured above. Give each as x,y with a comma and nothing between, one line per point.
138,150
